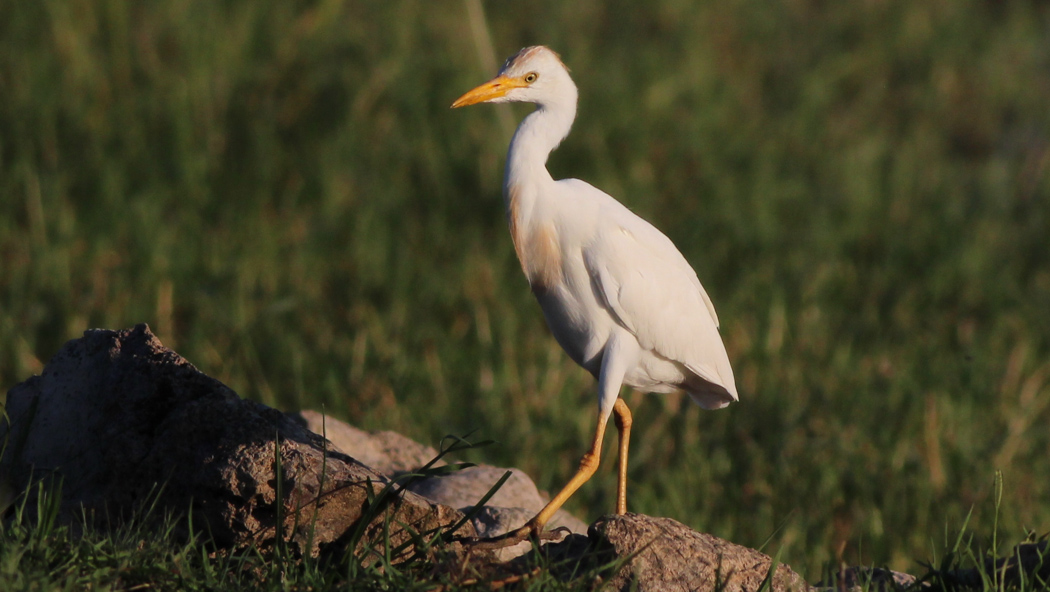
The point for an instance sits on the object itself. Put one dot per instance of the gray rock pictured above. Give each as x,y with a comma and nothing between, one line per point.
403,454
465,488
123,420
491,521
513,504
388,453
667,556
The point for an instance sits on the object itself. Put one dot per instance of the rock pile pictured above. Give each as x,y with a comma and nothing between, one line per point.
118,419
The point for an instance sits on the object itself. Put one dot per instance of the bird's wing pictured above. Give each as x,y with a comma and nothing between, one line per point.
654,293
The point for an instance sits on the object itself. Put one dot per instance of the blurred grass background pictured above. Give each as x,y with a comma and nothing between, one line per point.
281,191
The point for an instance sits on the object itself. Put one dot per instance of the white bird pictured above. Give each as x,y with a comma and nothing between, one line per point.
617,295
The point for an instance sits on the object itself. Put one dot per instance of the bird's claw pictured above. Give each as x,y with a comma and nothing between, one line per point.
509,539
557,533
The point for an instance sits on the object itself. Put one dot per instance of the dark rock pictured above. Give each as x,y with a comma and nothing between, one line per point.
122,420
1029,562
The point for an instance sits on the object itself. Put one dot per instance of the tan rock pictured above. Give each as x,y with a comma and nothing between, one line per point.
670,557
385,452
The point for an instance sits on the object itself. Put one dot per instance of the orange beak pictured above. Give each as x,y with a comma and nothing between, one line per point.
493,89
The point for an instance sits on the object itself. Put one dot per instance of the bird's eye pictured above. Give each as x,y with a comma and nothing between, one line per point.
531,77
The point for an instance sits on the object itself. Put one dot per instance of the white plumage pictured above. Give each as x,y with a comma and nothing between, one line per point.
617,295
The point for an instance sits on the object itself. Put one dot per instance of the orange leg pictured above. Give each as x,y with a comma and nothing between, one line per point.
623,426
588,465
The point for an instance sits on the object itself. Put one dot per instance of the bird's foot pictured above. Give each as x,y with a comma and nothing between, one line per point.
529,531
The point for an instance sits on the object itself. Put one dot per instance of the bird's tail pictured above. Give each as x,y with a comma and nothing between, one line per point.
711,396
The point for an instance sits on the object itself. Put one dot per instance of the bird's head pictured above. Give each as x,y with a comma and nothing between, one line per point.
533,75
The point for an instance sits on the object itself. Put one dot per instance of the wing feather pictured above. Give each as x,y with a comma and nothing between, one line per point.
654,293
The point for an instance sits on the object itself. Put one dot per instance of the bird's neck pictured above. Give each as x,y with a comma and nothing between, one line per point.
529,191
538,135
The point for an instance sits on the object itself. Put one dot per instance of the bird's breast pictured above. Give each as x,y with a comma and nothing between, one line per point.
541,258
548,244
538,247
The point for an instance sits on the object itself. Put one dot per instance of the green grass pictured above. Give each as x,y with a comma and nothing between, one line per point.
281,191
40,549
153,552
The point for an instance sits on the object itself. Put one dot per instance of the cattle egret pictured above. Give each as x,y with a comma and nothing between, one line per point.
616,293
